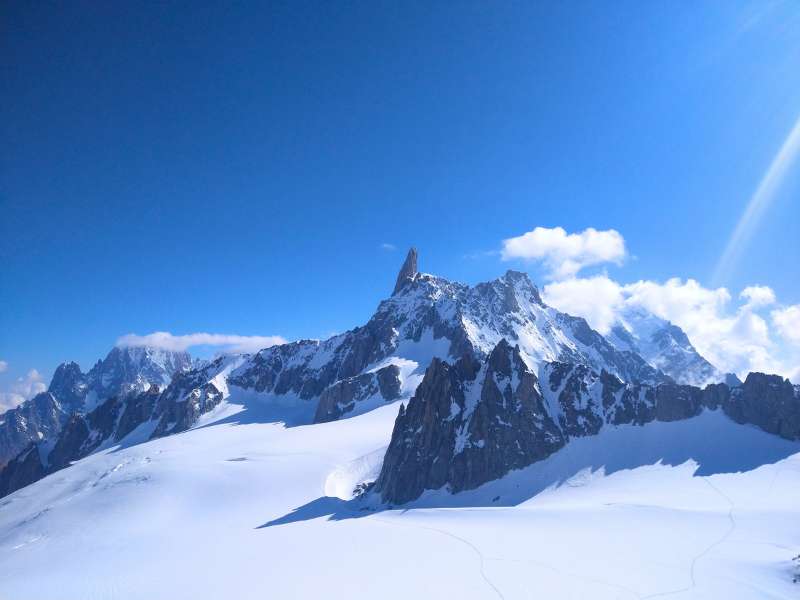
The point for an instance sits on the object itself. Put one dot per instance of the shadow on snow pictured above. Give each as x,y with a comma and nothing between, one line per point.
711,441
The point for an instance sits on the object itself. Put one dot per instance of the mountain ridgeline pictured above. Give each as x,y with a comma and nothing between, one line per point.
470,422
494,379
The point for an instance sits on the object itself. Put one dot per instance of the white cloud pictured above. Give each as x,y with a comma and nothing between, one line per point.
597,299
787,322
22,389
388,247
732,336
758,296
564,254
3,366
177,343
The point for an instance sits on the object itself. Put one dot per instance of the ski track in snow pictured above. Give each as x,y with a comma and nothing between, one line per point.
707,550
467,543
211,485
569,574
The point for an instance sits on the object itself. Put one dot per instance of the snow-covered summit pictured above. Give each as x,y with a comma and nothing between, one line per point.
134,369
428,317
663,345
124,371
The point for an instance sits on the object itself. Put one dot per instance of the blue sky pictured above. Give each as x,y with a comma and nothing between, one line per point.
236,169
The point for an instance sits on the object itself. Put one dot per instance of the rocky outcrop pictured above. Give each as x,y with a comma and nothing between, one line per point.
467,424
157,412
23,470
188,396
123,371
769,402
470,423
407,272
69,385
133,369
38,419
427,317
342,397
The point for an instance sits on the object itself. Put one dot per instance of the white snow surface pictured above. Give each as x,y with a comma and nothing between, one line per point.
245,506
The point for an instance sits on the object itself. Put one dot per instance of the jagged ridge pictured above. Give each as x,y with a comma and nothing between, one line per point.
470,423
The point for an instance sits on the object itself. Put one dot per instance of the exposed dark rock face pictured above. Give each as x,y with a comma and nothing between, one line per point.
123,371
177,408
39,418
429,310
137,410
342,397
70,446
732,380
23,470
135,369
468,424
69,385
407,272
766,401
188,396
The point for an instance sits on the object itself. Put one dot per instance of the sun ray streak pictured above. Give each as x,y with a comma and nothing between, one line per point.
760,201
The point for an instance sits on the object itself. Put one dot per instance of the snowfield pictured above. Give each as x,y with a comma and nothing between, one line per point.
244,506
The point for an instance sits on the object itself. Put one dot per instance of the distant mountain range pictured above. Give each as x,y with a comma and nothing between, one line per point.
430,330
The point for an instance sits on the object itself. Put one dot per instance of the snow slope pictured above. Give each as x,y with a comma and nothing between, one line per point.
237,507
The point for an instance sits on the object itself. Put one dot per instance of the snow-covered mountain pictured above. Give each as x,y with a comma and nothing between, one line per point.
123,371
470,423
529,444
426,317
663,345
698,508
143,411
431,317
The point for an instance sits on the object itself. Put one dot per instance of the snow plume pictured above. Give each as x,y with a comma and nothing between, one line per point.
735,336
178,343
24,388
564,254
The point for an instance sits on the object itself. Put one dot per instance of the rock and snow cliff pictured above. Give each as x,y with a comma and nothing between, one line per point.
470,422
123,371
431,317
153,392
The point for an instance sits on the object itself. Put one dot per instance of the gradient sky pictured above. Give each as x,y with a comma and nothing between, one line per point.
245,170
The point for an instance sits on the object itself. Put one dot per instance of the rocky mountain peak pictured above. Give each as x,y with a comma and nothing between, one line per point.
408,271
462,429
136,368
523,285
500,359
69,385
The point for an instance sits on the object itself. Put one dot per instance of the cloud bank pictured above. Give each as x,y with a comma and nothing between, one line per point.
179,343
737,335
24,388
564,254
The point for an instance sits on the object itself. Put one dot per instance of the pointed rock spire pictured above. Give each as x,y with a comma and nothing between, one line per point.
407,271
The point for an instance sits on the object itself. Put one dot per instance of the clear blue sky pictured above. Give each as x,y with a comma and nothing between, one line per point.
235,169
